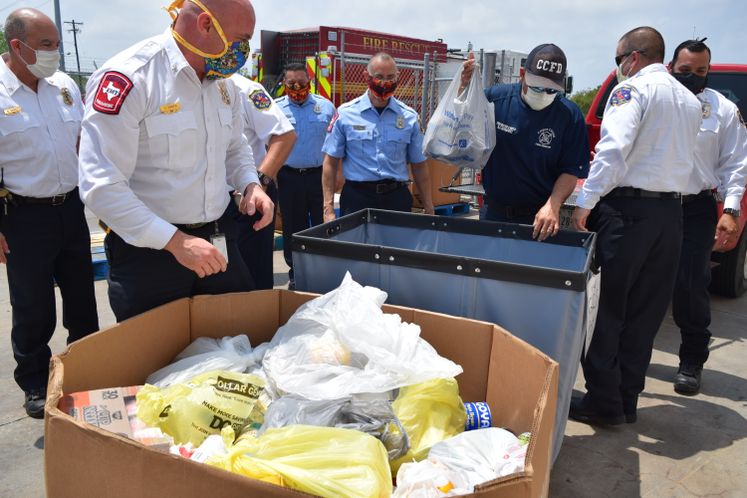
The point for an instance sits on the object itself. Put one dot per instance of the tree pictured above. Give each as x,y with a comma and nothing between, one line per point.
584,98
3,43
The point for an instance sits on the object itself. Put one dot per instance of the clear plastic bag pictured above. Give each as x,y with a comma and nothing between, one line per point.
430,412
370,414
229,354
461,131
323,461
342,343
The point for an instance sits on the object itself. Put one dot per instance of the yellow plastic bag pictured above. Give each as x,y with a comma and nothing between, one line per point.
203,406
430,412
323,461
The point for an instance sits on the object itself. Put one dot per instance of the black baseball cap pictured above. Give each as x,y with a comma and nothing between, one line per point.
545,67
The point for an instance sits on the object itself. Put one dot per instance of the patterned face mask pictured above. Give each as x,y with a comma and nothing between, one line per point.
382,88
297,92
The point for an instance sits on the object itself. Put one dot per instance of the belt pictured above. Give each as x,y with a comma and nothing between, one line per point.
639,193
703,194
302,171
193,226
513,211
55,200
379,186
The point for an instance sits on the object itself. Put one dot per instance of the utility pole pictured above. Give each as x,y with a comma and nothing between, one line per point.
75,31
58,22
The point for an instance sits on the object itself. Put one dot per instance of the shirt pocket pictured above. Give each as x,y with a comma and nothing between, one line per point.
20,130
172,139
317,128
361,143
71,120
396,144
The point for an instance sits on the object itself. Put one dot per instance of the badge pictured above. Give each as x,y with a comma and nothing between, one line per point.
706,110
171,108
67,97
621,96
112,92
400,122
224,93
260,99
11,111
318,108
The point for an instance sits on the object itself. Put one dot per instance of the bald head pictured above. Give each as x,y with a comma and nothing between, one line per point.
23,21
235,17
645,40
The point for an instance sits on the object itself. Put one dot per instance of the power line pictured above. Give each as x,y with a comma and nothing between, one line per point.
75,31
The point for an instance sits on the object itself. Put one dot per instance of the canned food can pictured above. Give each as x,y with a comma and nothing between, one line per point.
478,416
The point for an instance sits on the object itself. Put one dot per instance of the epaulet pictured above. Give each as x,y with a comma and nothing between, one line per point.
405,107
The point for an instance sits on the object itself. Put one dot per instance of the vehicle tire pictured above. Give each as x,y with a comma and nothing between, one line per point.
728,278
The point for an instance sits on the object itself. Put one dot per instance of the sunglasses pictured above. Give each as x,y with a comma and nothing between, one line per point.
619,58
539,89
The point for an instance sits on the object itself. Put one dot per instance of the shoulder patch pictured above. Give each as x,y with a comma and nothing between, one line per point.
620,96
112,92
260,99
335,117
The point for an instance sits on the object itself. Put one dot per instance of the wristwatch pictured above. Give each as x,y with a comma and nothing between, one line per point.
734,212
264,180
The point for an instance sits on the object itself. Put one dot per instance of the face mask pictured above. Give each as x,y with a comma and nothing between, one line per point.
382,89
298,93
620,76
47,63
692,81
537,101
222,64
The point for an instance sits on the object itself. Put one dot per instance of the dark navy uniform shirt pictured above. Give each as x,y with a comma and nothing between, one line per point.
533,148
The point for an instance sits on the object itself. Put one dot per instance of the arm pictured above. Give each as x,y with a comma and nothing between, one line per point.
547,221
423,181
330,169
278,150
732,174
4,250
273,128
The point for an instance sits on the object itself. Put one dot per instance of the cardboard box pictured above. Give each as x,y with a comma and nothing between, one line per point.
441,175
518,382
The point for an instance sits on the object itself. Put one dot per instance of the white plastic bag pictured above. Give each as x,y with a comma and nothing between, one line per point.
341,344
461,131
230,354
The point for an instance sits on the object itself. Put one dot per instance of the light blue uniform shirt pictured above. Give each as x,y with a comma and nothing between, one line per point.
373,146
311,121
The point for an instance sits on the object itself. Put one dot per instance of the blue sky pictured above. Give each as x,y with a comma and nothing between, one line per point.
586,30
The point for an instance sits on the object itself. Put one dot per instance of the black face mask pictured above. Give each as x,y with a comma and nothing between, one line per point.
692,81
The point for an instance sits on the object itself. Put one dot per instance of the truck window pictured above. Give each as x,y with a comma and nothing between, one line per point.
603,101
732,85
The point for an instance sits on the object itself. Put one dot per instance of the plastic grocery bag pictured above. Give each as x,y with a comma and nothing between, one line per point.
323,461
462,129
430,412
370,414
341,344
429,479
230,354
204,405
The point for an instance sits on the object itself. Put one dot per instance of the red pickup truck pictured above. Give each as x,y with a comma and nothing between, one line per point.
729,273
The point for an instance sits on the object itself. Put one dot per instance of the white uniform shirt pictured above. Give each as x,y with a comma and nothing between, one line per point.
263,119
721,150
39,134
647,138
159,147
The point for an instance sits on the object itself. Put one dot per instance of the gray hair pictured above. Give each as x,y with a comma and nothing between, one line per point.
15,28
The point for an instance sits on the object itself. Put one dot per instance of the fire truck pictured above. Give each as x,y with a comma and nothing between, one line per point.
336,59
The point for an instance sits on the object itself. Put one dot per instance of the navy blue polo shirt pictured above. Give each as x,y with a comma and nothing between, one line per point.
533,148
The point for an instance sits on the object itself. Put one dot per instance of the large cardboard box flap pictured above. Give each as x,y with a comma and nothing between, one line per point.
518,382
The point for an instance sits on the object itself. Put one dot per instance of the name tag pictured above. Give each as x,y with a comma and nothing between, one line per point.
171,108
359,127
10,111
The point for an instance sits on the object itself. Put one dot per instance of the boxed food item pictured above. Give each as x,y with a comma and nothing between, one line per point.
517,381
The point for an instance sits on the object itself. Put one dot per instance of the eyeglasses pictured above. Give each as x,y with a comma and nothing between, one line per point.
539,89
619,58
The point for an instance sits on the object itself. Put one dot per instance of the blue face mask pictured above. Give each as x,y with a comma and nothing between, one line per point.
229,63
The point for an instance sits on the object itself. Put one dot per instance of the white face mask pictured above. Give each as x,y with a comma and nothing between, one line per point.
620,76
537,101
47,63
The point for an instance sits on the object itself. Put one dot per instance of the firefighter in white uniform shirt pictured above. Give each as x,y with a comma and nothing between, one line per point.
161,148
642,165
720,164
44,236
271,137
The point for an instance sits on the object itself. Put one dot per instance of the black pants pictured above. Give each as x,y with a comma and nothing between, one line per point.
638,249
691,303
141,279
354,198
47,244
300,197
256,247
